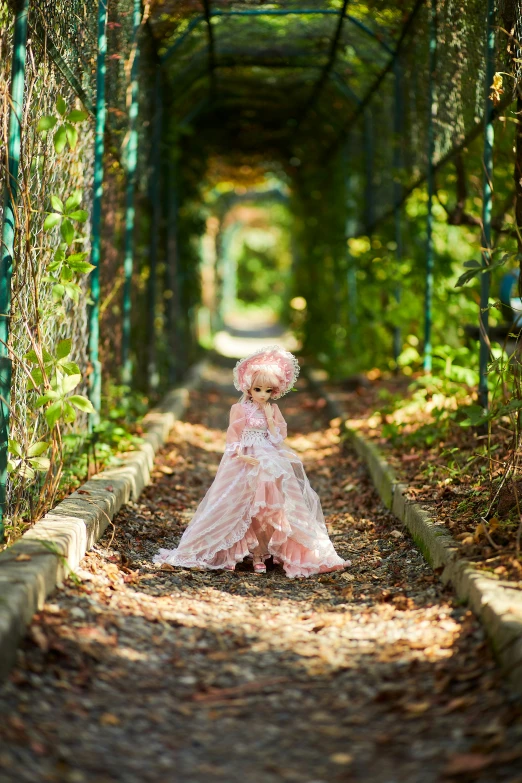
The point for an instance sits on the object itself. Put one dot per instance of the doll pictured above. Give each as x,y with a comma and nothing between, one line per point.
260,503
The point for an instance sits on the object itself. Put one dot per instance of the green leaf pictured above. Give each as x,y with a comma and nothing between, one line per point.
67,231
41,464
57,204
76,115
72,135
69,414
58,292
12,465
80,215
46,123
70,382
63,348
74,200
81,267
67,274
53,413
61,250
82,403
31,356
47,397
60,139
54,266
70,368
61,106
15,448
36,379
77,256
26,472
38,448
73,291
51,221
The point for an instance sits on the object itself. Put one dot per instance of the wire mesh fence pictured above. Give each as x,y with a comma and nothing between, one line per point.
60,77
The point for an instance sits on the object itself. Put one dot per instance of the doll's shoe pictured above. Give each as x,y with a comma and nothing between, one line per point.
229,568
259,567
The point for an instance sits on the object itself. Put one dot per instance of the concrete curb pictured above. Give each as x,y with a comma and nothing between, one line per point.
35,564
497,604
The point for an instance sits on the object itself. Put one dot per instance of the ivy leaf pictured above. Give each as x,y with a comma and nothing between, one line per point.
60,139
72,135
26,472
41,464
67,274
69,414
82,403
31,356
36,379
51,221
64,348
74,200
77,256
67,231
57,204
70,368
76,115
80,215
58,292
61,106
37,448
53,413
15,448
73,291
46,123
70,382
47,397
82,267
60,252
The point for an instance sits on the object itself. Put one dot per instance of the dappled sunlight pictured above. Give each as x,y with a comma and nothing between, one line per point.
211,672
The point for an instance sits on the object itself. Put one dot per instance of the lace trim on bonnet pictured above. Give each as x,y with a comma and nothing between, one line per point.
282,363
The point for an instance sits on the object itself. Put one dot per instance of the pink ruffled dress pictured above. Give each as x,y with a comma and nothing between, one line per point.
265,509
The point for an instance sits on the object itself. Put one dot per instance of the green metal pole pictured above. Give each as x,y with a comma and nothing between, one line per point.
99,146
8,235
397,195
155,198
132,159
428,349
487,204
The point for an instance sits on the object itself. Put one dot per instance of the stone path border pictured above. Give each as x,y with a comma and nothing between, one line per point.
34,565
497,604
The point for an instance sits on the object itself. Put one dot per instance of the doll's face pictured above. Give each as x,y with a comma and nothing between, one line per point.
261,392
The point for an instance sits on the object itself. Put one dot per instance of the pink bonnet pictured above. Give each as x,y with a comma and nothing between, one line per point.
281,363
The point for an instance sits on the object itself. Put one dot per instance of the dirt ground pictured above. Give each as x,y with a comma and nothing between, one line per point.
372,675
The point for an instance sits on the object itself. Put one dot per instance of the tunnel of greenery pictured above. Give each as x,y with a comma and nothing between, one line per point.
350,169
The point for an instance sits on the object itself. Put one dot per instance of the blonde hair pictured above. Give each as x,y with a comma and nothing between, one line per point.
265,377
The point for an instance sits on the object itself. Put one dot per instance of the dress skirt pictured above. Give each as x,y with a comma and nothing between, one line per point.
268,509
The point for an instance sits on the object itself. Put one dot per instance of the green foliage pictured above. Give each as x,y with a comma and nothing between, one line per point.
63,123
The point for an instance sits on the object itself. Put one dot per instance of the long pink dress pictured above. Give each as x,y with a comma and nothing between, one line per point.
266,509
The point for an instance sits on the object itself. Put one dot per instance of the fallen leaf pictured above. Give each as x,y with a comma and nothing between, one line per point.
22,558
109,719
464,763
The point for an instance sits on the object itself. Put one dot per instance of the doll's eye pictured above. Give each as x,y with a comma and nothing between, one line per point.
269,391
257,389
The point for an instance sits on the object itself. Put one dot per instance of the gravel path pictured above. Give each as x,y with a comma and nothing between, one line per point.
135,674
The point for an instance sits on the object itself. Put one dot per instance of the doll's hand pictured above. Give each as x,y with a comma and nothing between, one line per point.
250,460
269,413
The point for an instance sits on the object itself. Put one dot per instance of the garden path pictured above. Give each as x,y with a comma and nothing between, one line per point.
136,674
